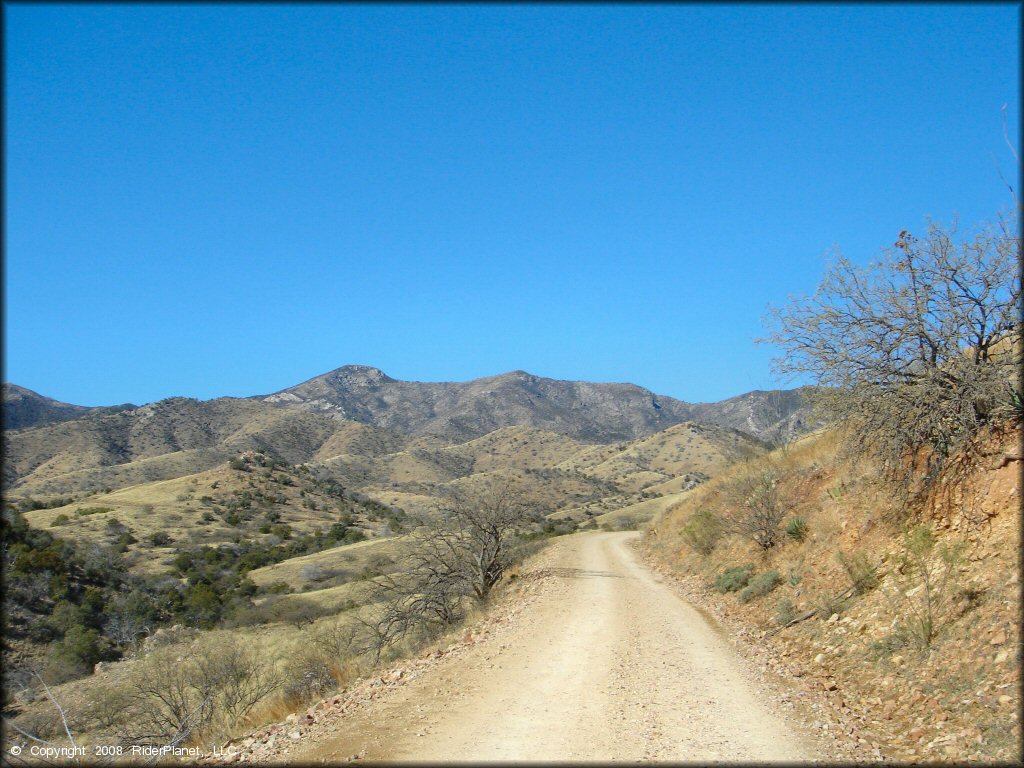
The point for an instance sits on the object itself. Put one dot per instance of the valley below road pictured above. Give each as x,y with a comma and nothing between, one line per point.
596,659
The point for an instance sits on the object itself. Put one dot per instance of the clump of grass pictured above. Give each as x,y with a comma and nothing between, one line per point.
702,531
785,611
900,637
760,586
862,573
828,604
733,579
84,511
796,528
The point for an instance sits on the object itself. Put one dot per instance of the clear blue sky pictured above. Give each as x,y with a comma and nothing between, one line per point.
230,199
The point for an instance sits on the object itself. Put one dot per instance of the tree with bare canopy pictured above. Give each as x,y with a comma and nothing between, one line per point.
460,552
917,350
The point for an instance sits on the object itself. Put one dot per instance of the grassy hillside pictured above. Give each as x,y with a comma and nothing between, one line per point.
696,450
858,568
253,498
160,441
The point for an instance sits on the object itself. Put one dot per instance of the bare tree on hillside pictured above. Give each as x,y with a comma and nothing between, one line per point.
916,350
480,526
460,552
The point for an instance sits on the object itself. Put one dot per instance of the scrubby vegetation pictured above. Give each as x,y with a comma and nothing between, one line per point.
914,353
898,526
733,579
759,586
187,673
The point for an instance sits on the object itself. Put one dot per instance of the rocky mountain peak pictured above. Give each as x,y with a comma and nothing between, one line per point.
358,375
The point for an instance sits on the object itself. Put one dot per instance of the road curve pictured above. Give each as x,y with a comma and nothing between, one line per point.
607,663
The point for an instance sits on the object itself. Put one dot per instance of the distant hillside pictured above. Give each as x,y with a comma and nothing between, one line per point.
374,431
461,411
159,441
775,416
24,409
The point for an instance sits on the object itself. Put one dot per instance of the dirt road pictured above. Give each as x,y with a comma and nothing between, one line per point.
604,663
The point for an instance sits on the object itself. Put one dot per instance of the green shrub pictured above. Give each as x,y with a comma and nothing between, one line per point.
60,519
785,612
924,596
828,604
863,575
76,654
1015,405
84,511
760,586
160,539
354,535
732,579
796,528
702,531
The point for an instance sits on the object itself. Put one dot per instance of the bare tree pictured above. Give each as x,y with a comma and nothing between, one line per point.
173,698
166,702
460,552
755,508
915,350
479,527
124,628
235,676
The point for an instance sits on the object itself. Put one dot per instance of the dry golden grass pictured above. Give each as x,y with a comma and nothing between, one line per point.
642,512
351,558
663,456
356,439
186,509
518,448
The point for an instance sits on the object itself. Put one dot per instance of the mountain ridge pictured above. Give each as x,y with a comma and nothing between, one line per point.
592,411
24,408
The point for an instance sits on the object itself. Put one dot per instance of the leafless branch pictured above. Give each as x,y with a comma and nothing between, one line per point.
916,349
60,709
